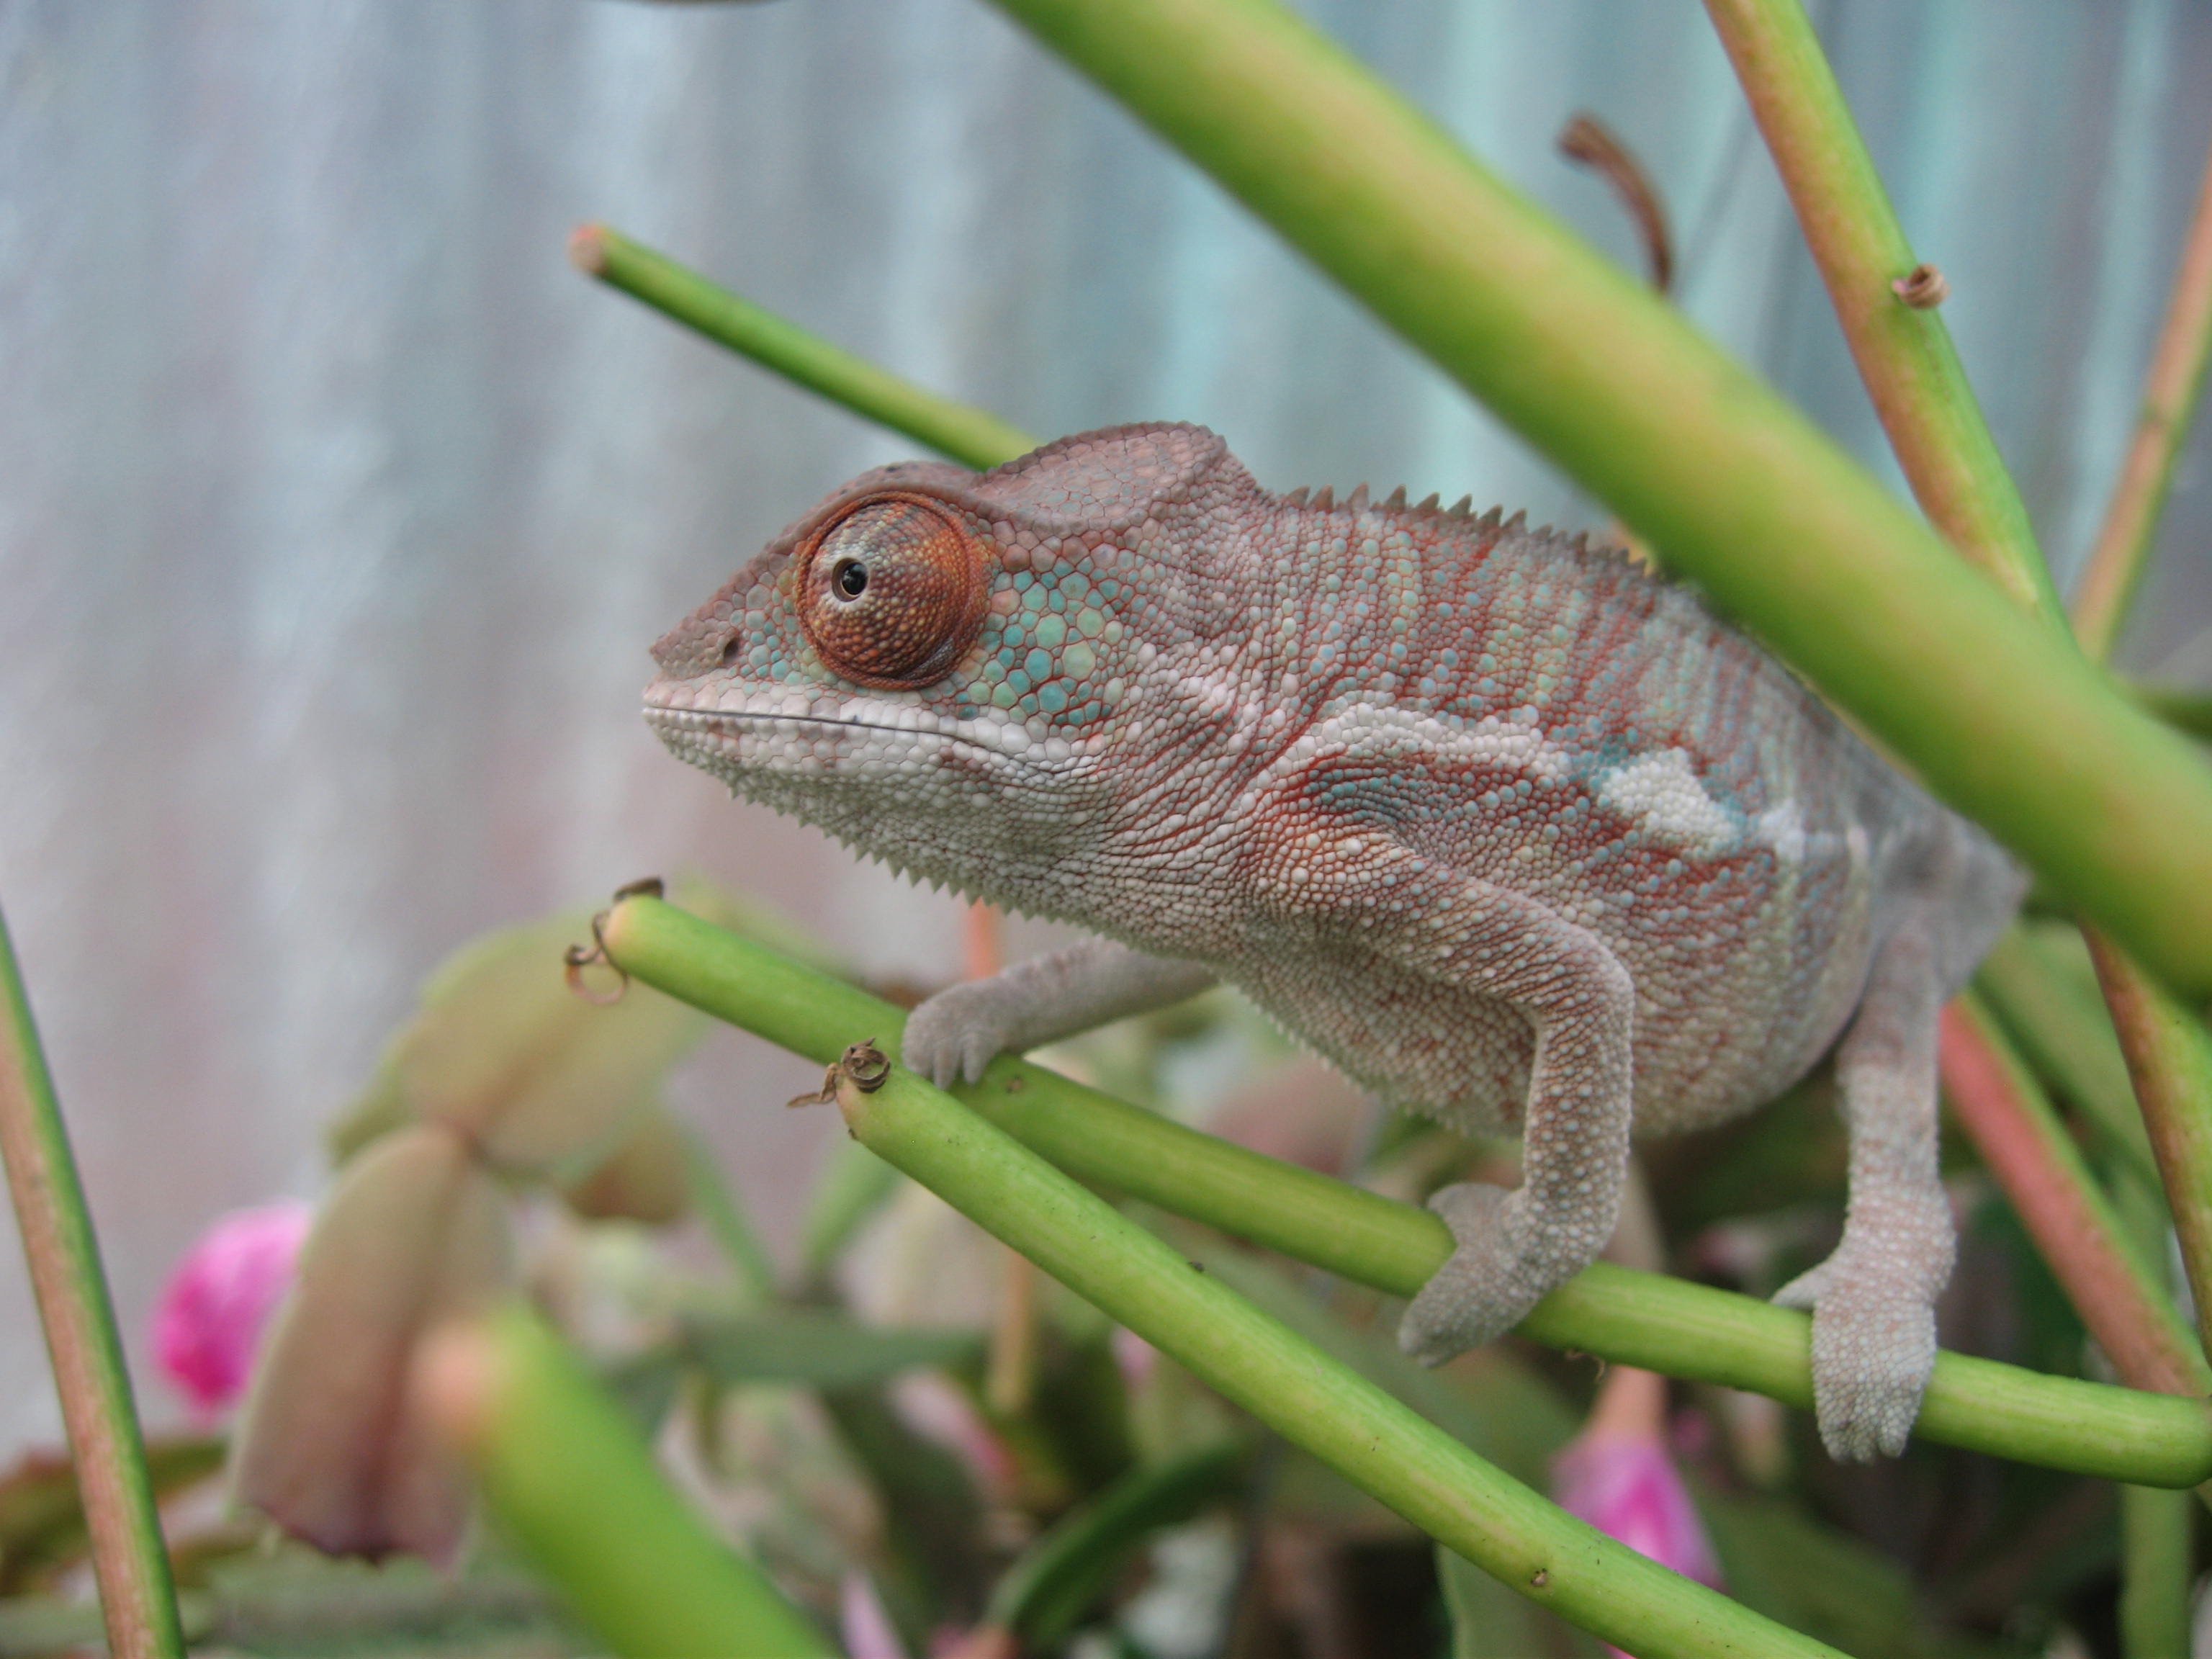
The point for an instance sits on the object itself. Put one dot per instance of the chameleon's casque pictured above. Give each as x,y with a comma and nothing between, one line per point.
1514,834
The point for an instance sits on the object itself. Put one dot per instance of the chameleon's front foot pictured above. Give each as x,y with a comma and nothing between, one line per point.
952,1036
1874,1347
1498,1273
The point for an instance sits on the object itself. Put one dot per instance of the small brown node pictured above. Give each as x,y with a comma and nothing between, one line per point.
1540,1577
866,1064
1923,287
577,957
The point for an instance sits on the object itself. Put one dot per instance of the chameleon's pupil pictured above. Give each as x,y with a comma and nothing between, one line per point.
851,578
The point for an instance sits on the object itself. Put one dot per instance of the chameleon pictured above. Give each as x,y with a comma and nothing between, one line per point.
1512,832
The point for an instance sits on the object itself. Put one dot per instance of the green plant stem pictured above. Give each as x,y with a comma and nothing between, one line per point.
2120,1297
718,1207
2183,707
1937,430
138,1598
2155,1573
575,1486
853,1186
975,437
1631,1318
1734,487
2169,1054
1905,354
2169,1057
2176,377
1313,1401
1043,1596
2059,1026
2155,1526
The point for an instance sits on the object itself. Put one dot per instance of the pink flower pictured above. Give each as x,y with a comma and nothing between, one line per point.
208,1323
933,1406
1617,1475
1134,1357
866,1629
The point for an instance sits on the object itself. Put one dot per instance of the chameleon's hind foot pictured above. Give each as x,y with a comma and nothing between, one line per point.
1490,1282
1874,1350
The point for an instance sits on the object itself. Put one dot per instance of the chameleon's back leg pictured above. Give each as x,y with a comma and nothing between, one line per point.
1872,1300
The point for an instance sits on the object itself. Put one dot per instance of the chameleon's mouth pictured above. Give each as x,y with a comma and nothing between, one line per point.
898,731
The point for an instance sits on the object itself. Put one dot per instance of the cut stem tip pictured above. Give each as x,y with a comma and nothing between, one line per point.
456,1382
587,249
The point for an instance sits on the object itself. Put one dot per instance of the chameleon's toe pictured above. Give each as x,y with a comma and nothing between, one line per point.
1484,1289
954,1035
1874,1350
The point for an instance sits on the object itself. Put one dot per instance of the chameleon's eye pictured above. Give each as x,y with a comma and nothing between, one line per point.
893,591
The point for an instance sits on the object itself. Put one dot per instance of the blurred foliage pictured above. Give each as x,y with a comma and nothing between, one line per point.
42,1531
1124,1510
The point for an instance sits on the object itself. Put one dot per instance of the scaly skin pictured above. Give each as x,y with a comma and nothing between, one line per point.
1515,835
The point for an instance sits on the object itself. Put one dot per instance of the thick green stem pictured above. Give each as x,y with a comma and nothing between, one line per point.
2120,1296
1632,1318
1904,352
1312,1401
972,436
129,1562
575,1486
2176,376
1734,488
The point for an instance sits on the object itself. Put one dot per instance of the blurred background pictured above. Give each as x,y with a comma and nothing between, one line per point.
337,512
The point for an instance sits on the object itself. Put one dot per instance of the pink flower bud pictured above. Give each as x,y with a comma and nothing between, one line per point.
208,1323
1134,1357
1617,1475
862,1623
1629,1490
934,1407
